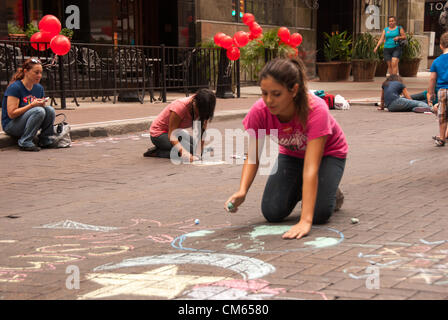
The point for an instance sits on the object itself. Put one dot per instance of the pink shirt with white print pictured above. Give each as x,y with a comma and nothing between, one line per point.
292,139
182,108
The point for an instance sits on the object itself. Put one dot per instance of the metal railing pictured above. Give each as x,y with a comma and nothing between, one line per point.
127,73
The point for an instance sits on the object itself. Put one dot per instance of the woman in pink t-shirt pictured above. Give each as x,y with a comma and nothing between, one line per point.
312,149
166,130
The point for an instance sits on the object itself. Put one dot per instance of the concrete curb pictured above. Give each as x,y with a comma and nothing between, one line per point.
118,127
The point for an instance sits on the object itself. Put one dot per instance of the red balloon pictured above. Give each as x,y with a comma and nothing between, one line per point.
296,39
248,19
226,42
283,34
60,45
218,38
233,53
50,24
256,30
241,38
40,41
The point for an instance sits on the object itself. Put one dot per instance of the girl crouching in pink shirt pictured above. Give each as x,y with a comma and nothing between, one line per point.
166,130
312,149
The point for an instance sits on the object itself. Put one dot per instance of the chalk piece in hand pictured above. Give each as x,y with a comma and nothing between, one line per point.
354,220
230,207
196,221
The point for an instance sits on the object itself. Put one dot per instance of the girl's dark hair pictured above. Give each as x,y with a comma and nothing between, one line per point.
392,77
395,18
205,101
289,72
27,65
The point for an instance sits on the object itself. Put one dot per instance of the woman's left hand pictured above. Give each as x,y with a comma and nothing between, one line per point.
298,231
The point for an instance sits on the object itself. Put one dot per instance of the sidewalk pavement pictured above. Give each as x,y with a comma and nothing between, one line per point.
96,118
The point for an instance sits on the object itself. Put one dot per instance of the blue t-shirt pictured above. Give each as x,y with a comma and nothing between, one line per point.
440,66
390,35
392,91
18,90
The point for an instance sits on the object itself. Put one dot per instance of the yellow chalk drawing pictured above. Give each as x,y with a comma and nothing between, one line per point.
11,277
163,282
50,256
108,250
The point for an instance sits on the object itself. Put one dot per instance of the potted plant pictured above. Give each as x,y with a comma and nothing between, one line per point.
411,57
364,59
344,55
255,54
337,53
15,32
67,32
328,71
381,67
30,30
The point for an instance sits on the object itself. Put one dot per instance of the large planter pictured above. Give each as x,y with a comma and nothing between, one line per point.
409,68
328,71
381,69
363,70
344,71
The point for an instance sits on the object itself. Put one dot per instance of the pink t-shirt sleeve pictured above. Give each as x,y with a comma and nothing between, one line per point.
319,122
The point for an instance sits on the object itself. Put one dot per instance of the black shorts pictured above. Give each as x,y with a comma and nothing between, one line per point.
390,53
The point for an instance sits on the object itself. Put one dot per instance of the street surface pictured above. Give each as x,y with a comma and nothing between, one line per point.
124,225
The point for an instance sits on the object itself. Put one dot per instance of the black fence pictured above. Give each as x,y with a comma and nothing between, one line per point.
126,73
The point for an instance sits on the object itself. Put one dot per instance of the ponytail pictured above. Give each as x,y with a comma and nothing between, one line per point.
19,75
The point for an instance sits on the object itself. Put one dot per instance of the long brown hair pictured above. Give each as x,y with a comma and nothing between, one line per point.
392,77
289,72
20,73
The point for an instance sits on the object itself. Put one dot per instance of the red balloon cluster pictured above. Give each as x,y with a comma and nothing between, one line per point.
239,39
49,29
293,40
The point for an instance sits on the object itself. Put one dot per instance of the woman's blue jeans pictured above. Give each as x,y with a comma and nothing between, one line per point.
28,124
406,105
164,145
284,188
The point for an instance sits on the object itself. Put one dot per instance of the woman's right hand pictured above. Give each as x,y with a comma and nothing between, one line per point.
38,103
236,200
374,50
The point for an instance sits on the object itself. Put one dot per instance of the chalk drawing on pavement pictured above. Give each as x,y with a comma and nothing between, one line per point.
49,257
164,282
426,263
233,289
73,225
250,239
167,282
248,268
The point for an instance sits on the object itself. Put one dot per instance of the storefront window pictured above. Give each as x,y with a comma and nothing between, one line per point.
12,17
436,22
265,11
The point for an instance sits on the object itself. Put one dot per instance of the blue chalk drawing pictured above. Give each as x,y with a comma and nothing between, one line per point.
258,245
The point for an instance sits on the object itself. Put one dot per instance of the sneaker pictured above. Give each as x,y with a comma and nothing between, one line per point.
421,109
32,149
151,152
339,199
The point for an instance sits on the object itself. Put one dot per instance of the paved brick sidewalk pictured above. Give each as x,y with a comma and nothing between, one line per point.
128,223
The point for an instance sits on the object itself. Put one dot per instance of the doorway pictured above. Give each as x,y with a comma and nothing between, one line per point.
332,17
